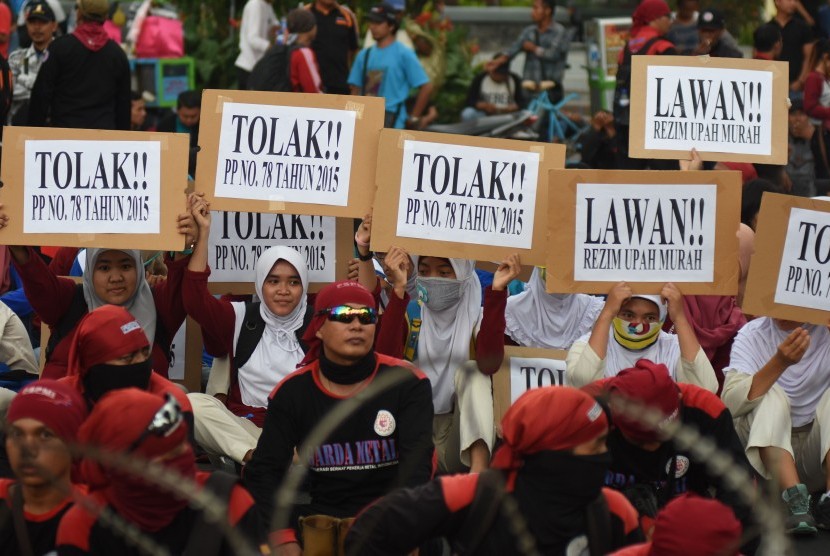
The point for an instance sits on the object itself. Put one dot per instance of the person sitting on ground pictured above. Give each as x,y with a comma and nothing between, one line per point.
642,459
42,420
777,386
155,431
262,339
386,444
683,31
600,145
691,524
629,328
109,351
711,26
436,333
111,276
494,91
767,42
553,462
537,319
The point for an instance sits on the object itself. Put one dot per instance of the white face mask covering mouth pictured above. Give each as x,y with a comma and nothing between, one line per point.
439,293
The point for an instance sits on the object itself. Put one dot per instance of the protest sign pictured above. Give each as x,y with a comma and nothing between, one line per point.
789,277
729,109
289,152
85,188
645,228
238,238
458,196
524,369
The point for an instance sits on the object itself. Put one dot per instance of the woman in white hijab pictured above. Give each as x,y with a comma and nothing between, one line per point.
635,322
450,297
262,339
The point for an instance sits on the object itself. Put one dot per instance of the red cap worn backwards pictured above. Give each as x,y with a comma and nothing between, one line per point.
550,418
650,384
55,404
648,11
106,333
336,294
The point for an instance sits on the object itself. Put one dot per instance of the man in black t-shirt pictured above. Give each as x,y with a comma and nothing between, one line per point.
385,444
41,420
335,44
798,41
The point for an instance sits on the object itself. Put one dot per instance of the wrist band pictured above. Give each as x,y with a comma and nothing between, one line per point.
358,242
367,257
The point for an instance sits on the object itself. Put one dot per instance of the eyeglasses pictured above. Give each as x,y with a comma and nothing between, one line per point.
166,420
345,314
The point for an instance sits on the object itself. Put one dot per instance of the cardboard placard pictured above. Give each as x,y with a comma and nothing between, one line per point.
492,266
645,228
466,197
92,188
237,240
789,277
729,109
289,152
524,369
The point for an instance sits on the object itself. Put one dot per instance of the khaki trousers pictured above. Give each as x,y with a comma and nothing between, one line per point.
219,431
770,424
471,420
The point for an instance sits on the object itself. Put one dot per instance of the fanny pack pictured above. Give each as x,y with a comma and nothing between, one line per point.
324,535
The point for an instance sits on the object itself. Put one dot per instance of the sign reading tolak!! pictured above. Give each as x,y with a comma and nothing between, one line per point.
476,195
468,197
288,152
525,369
237,239
304,154
643,233
645,228
727,109
90,188
804,274
789,275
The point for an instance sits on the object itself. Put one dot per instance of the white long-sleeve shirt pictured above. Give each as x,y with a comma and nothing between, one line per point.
258,18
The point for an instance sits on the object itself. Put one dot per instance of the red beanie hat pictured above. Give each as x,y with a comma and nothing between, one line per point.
339,293
106,333
55,404
650,384
549,418
648,11
690,524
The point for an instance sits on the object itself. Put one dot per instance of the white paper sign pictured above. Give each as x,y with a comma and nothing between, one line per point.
804,274
468,194
645,233
92,187
710,109
238,238
285,153
178,354
527,374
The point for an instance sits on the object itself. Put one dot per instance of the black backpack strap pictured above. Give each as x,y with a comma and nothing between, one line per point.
206,538
483,511
76,311
249,335
598,519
